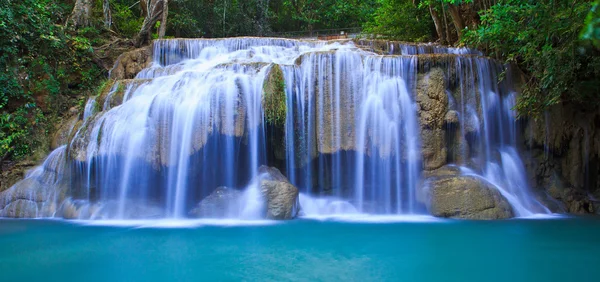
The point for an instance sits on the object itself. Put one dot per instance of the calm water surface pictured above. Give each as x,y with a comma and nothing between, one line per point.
303,250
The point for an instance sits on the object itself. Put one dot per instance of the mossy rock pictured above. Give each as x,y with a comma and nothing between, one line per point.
274,99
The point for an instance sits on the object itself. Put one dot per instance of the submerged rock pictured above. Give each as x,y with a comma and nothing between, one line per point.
223,202
467,197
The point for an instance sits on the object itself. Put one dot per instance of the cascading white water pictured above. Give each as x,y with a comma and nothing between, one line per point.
194,121
494,143
351,129
40,192
90,108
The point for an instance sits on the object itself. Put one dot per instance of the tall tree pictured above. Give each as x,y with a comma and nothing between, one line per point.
107,14
307,11
163,22
152,10
439,28
82,11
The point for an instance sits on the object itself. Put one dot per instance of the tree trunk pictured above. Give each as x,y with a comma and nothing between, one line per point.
107,14
448,37
163,22
153,10
458,22
82,11
438,24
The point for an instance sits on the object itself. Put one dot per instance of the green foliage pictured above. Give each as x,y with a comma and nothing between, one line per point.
542,38
16,130
591,31
42,66
274,98
182,22
104,85
126,16
326,14
207,18
401,20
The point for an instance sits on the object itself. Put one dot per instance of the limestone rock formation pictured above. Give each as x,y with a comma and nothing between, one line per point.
281,199
40,192
447,194
280,196
129,64
77,209
61,137
563,157
432,102
271,173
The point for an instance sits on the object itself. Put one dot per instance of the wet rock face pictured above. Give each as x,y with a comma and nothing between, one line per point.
281,199
33,197
61,137
280,196
432,102
38,194
78,209
13,175
447,194
563,148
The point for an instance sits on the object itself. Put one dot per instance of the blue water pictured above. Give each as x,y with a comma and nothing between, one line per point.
304,250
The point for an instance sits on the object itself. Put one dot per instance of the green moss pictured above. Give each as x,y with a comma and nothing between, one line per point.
99,138
104,86
274,98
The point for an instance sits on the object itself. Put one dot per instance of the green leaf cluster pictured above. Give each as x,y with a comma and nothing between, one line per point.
41,68
541,37
400,20
591,30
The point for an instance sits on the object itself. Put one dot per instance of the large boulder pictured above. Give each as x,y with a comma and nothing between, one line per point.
130,63
271,173
281,199
280,196
223,202
467,197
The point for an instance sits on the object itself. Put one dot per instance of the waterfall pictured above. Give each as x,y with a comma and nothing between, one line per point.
40,192
351,141
90,108
488,109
